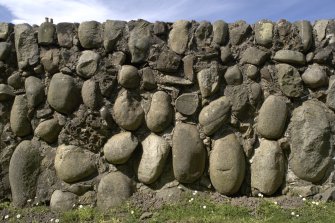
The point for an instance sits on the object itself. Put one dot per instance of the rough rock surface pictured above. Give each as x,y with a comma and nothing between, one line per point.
264,33
34,91
179,36
233,76
289,80
187,103
253,55
208,80
220,32
315,77
90,34
6,92
290,57
87,64
62,201
140,41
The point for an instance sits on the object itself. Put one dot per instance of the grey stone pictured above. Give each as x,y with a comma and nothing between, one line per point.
323,56
23,172
173,80
114,189
46,34
15,80
48,130
187,103
139,41
4,50
66,100
238,31
251,71
65,34
153,158
90,34
253,55
304,191
238,96
73,163
227,165
118,58
315,77
26,46
50,61
309,57
6,92
272,117
290,57
208,80
188,153
203,34
255,94
320,27
34,91
310,142
225,53
214,115
90,92
160,113
264,33
160,28
87,64
267,167
119,147
5,29
128,77
179,36
168,61
188,62
148,79
220,32
62,201
128,113
19,122
113,31
233,76
289,80
330,100
328,195
306,34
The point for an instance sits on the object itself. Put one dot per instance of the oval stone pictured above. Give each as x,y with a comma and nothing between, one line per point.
128,77
227,165
315,77
179,35
187,103
90,92
87,64
34,91
19,122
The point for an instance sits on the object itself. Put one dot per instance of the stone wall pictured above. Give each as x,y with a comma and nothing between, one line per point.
92,112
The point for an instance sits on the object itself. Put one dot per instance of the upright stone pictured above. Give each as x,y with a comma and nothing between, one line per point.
65,33
227,165
289,80
203,34
320,28
46,33
188,62
264,33
188,153
113,31
90,34
306,34
272,118
34,91
179,36
90,92
5,49
19,122
208,80
311,147
139,41
220,32
267,167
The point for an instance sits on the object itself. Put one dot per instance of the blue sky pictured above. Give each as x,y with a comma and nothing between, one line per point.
34,11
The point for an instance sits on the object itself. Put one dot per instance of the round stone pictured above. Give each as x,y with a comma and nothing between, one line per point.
187,103
128,77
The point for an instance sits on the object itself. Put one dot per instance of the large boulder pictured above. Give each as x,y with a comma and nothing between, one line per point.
19,121
289,80
238,32
139,41
34,91
128,113
87,64
179,35
311,146
90,34
114,188
160,113
272,117
62,201
50,60
119,147
267,167
214,115
23,172
48,130
153,158
188,153
227,165
66,100
73,163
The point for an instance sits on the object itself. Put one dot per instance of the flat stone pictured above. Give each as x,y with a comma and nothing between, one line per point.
225,54
73,163
173,80
238,31
90,34
128,113
61,201
119,147
87,64
272,118
19,122
188,62
160,113
214,115
168,61
290,57
128,77
48,130
155,153
188,153
220,32
203,34
140,41
65,33
310,142
148,79
113,31
315,77
114,189
24,168
267,167
179,35
46,34
66,100
5,49
289,80
306,34
187,103
320,27
34,91
233,76
253,55
264,33
208,80
227,165
6,92
90,92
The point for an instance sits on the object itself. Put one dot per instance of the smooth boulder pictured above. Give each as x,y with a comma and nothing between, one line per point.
128,77
315,77
62,201
48,130
91,94
34,91
19,121
90,34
